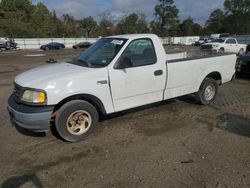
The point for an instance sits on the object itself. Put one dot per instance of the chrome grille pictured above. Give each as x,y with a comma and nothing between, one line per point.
207,47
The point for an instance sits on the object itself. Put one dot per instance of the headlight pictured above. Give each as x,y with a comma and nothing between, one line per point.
33,96
216,46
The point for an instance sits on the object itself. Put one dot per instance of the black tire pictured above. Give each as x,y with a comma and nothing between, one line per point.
207,85
221,51
65,115
46,48
240,74
241,52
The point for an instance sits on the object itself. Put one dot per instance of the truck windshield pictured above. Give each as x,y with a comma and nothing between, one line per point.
101,53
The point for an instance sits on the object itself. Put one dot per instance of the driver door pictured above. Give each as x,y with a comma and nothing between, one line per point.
231,45
138,78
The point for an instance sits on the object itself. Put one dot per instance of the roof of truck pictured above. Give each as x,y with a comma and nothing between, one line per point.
133,36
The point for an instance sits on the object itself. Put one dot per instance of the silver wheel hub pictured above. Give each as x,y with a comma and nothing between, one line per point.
209,92
79,122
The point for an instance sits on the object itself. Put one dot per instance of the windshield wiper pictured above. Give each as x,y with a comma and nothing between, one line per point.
98,65
85,62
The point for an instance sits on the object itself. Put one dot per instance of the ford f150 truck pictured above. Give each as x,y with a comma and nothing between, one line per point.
115,74
222,45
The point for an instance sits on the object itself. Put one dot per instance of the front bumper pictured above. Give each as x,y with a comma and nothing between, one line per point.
213,51
33,118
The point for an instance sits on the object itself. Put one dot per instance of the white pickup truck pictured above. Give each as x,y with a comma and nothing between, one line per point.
222,45
115,74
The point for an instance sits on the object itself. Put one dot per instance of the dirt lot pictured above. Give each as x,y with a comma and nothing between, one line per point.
173,144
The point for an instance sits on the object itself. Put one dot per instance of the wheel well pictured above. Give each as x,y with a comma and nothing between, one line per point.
216,76
96,102
242,49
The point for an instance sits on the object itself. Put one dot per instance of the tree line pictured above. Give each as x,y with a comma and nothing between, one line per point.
21,18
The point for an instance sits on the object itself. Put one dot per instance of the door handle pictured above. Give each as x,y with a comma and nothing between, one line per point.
158,72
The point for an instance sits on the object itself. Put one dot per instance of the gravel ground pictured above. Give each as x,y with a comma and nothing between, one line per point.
171,144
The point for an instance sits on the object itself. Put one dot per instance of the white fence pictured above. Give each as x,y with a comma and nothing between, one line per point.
180,40
243,39
35,43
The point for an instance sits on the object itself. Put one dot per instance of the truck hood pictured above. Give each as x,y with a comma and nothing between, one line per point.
62,80
40,76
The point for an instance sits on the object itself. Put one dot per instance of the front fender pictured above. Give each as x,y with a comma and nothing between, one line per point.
100,91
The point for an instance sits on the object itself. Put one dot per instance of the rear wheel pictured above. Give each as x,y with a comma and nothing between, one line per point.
76,120
207,92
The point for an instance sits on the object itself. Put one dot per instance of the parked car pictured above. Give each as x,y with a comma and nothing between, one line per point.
2,47
82,45
7,44
222,45
202,41
52,46
116,73
243,63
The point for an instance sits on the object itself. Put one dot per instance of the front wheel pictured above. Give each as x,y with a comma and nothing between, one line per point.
221,51
207,92
241,52
76,120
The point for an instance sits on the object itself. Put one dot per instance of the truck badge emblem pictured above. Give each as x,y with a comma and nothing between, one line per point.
102,82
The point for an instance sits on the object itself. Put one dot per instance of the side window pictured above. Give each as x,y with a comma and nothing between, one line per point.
139,52
231,41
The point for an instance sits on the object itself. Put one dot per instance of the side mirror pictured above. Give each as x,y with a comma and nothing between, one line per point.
123,63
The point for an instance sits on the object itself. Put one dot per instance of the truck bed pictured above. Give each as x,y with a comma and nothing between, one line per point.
186,75
196,57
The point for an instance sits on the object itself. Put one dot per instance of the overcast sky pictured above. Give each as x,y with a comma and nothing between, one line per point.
199,10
